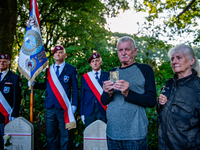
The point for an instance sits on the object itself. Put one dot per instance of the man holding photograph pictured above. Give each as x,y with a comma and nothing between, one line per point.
127,99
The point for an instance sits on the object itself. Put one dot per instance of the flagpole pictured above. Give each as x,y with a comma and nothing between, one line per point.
31,105
32,58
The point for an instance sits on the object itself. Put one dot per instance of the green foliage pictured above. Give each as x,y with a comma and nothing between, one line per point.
70,22
78,56
152,135
179,18
79,27
163,73
38,111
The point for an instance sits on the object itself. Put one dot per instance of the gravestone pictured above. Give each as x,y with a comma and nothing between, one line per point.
22,134
95,136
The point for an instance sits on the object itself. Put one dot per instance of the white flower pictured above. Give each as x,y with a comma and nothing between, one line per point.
6,137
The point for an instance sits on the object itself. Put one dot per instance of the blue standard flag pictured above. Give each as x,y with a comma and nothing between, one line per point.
32,57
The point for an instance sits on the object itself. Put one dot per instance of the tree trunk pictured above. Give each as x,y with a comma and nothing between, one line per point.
8,20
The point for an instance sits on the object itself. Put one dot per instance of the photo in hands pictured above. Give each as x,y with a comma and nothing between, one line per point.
114,76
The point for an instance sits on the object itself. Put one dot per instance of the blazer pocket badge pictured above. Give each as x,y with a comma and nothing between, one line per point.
66,79
6,89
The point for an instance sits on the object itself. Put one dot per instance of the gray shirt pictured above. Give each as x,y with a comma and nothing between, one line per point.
125,120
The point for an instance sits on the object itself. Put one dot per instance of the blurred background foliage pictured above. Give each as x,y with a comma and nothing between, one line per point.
79,25
76,57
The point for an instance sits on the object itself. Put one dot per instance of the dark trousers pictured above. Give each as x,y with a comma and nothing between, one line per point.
96,115
55,126
127,144
1,134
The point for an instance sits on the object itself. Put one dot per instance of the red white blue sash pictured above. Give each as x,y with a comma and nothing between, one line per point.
94,86
5,108
62,98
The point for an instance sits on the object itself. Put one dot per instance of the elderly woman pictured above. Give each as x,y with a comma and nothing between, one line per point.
179,103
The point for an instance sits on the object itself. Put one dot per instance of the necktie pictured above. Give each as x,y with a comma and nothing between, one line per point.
57,71
0,76
96,76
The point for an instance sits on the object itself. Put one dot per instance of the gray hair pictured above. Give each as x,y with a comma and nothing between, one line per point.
185,49
127,39
101,59
8,61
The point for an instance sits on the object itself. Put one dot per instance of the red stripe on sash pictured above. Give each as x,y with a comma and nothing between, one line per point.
94,90
5,113
58,96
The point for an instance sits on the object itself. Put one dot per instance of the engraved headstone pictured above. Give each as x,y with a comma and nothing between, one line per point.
21,133
95,136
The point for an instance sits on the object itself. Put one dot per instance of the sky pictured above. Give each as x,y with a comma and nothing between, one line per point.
126,22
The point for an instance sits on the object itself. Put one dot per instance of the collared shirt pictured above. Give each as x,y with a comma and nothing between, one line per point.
99,73
4,73
60,68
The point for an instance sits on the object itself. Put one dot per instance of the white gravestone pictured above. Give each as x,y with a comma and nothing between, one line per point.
95,136
22,134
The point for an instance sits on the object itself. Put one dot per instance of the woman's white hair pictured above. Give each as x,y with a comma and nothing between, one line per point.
185,49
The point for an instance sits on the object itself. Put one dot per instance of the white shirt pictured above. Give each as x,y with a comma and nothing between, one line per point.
99,73
60,68
4,73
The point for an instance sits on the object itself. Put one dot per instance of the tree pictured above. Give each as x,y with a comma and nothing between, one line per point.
78,25
70,22
79,22
180,18
8,19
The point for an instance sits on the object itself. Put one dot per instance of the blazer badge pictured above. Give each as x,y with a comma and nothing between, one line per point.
66,79
6,89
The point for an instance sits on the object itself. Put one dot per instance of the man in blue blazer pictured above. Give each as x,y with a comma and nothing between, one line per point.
54,117
91,108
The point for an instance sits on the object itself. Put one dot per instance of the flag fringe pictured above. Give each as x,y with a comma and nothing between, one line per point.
39,70
23,73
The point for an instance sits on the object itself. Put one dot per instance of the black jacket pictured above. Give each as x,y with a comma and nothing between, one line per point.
179,127
10,87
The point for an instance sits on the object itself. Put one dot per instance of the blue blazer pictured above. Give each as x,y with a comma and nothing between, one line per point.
88,98
10,88
69,81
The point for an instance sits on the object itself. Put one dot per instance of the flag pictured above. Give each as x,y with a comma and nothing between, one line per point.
32,57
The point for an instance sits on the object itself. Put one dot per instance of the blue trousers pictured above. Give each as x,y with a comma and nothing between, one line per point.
55,127
96,115
1,134
127,144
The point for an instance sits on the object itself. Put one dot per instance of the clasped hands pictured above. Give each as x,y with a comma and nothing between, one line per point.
162,99
121,85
